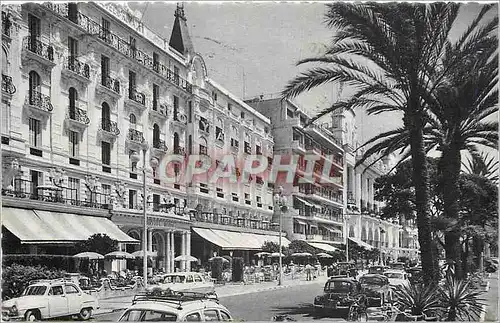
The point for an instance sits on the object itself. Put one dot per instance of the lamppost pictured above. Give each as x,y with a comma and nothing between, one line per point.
145,214
280,201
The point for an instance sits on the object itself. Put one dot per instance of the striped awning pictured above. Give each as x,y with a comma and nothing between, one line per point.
331,228
300,222
361,243
303,201
37,227
232,240
322,246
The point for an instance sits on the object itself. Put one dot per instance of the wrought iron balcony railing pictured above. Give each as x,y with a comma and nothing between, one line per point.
137,96
135,135
80,68
110,83
160,144
39,100
110,126
179,150
7,85
38,47
6,24
79,115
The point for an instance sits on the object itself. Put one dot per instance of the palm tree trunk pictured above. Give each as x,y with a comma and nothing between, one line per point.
450,163
413,121
465,256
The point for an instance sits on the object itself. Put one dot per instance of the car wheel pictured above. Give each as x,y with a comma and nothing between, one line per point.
85,314
31,316
362,317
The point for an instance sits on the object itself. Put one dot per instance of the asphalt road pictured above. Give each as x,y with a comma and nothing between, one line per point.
294,301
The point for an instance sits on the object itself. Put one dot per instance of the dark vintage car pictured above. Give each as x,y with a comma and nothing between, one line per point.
376,289
398,266
377,269
347,269
338,294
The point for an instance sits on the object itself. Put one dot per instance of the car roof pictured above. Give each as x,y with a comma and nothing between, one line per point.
349,279
176,307
394,271
373,276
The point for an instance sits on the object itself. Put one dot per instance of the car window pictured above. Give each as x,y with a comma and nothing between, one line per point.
225,316
35,290
198,279
338,285
193,317
189,279
174,279
70,289
150,316
211,315
56,290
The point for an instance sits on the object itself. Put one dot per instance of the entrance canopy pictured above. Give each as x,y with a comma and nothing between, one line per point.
361,243
230,240
37,227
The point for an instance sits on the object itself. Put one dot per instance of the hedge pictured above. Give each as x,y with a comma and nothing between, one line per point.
15,278
59,262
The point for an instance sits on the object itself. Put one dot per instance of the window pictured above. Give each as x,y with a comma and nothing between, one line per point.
248,148
176,75
258,150
156,135
34,29
133,167
105,70
190,144
132,119
105,153
105,117
74,186
247,199
193,317
234,143
36,179
235,197
131,85
156,62
156,202
106,189
73,143
190,112
73,12
5,118
34,88
229,106
242,115
73,52
105,32
219,192
204,188
203,124
211,315
219,135
176,108
259,201
73,98
70,289
132,199
148,315
156,96
290,113
189,279
214,95
133,48
176,143
35,132
197,279
56,290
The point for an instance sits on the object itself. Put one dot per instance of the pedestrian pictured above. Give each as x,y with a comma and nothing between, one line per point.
308,271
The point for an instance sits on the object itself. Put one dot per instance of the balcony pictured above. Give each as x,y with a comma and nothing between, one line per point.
136,100
109,87
108,130
35,49
298,146
8,88
179,151
38,105
323,132
159,148
179,121
6,26
159,112
135,140
77,119
228,220
206,99
75,69
27,190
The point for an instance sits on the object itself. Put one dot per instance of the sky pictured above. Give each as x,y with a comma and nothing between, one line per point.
252,48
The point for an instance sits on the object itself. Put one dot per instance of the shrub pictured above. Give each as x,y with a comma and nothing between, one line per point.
15,278
418,298
57,262
459,300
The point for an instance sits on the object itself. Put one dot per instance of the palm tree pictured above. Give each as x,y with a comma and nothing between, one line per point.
390,54
483,165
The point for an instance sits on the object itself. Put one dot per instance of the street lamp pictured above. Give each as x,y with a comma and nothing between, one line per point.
145,214
280,201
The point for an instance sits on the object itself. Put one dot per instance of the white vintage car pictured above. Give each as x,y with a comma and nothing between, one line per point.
183,282
48,299
397,277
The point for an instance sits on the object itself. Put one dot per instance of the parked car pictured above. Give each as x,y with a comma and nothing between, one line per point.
347,269
45,299
397,278
377,269
175,307
376,289
338,294
187,281
415,275
398,266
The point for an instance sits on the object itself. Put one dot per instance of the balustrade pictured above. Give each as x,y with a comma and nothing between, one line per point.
137,96
79,115
7,85
135,135
110,126
160,144
39,100
110,83
6,24
38,47
80,68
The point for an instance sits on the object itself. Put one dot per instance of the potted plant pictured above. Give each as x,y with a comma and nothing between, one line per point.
459,300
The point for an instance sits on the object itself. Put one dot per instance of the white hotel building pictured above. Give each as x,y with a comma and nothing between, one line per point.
88,91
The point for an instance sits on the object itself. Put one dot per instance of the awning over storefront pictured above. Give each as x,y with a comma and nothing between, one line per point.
231,240
34,226
361,243
331,228
303,201
300,222
322,246
314,204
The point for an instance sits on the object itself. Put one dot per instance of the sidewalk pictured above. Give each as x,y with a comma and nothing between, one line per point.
491,297
114,304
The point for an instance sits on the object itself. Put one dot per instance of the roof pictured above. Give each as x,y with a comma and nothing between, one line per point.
172,306
394,271
373,275
350,279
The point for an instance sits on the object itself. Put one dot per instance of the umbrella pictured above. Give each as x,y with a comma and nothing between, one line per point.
140,254
324,255
276,254
119,254
262,254
228,258
186,258
301,254
89,255
223,259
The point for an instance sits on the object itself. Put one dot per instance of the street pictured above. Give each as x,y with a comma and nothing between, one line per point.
295,301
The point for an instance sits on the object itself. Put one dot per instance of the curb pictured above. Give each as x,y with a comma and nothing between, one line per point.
483,313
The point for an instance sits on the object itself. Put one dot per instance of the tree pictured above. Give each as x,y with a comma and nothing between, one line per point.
100,243
390,53
483,165
271,247
296,246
